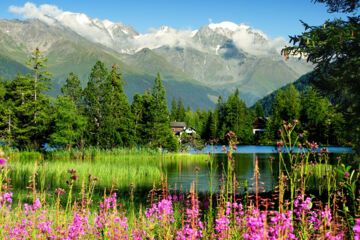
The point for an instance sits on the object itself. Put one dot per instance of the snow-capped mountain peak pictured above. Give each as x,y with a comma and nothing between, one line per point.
123,38
224,25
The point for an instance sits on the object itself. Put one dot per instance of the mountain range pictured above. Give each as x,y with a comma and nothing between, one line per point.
196,65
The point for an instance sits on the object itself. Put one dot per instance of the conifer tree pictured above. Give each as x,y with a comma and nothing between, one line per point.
180,116
93,100
156,119
137,109
72,89
31,106
7,117
286,107
259,112
117,128
173,112
237,118
69,123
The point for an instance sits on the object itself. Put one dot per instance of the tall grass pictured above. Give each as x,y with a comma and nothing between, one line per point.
118,167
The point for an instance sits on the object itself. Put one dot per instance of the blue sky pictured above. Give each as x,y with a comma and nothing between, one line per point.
276,18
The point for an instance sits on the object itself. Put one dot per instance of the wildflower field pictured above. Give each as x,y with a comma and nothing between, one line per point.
298,208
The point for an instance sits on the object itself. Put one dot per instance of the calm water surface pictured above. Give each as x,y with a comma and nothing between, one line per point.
182,174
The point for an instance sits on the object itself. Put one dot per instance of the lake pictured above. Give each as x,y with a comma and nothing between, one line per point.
182,173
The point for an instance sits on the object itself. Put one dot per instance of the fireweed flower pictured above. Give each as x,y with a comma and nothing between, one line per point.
356,229
193,227
2,161
324,150
160,212
59,191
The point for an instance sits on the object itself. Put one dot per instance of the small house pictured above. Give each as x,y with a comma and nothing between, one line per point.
259,125
190,131
178,127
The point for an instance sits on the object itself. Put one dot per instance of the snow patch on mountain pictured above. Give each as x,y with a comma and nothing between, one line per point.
125,39
224,25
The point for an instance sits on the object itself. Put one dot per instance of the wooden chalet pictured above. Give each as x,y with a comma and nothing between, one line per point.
178,127
259,125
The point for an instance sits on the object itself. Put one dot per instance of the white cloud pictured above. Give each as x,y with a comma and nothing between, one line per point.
164,36
50,10
78,22
244,37
44,13
250,40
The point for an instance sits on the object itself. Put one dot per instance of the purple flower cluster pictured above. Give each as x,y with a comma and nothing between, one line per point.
6,200
356,229
193,227
160,212
2,161
33,221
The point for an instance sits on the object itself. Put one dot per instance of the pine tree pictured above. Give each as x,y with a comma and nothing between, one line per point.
6,116
137,108
333,48
117,128
237,118
31,106
259,112
72,89
93,100
69,123
173,114
214,124
207,131
286,107
189,118
157,125
180,115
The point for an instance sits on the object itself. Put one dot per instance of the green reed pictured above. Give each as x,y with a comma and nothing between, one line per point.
116,167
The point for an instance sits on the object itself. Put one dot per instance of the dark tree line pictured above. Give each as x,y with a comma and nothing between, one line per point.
320,120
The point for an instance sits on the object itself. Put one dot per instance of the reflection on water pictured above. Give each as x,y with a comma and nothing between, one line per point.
264,149
182,174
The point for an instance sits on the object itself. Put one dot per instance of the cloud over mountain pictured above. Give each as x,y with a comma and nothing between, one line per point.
44,12
125,39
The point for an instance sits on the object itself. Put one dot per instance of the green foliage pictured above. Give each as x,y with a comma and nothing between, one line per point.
189,118
193,141
344,6
72,89
152,118
333,48
320,119
137,109
259,112
28,107
93,99
236,117
69,123
180,116
173,111
211,126
286,108
117,128
302,85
